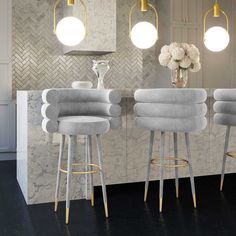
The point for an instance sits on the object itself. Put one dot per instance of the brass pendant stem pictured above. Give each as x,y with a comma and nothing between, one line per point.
144,5
216,10
143,2
70,2
54,15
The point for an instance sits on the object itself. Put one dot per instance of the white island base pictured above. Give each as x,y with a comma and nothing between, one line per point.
125,152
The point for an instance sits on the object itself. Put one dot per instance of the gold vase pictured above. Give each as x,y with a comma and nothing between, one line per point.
179,78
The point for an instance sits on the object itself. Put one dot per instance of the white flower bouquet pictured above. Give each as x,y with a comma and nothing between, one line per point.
180,56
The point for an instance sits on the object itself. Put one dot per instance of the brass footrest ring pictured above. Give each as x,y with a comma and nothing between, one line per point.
231,154
96,169
181,162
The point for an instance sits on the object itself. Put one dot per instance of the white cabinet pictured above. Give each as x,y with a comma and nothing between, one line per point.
186,26
7,106
101,27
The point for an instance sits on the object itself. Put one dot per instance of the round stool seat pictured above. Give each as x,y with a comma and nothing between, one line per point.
82,125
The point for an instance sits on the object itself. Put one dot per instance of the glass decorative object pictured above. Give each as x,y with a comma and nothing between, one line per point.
100,68
179,78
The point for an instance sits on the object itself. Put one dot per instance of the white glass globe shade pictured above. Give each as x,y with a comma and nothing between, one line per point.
144,35
216,39
70,31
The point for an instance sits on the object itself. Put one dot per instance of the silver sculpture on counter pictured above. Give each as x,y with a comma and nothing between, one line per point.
100,68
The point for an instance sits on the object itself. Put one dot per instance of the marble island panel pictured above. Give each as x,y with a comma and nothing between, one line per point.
125,151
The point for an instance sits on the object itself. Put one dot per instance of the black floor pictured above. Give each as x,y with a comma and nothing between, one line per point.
129,216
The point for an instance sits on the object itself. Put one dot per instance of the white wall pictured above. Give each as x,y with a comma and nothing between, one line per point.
7,106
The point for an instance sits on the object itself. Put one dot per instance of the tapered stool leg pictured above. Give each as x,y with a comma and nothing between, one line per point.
87,167
100,158
162,146
176,168
90,159
150,148
62,144
224,157
190,169
71,150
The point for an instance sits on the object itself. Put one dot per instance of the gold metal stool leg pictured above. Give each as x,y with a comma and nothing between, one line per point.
55,205
162,146
176,162
67,215
160,204
194,201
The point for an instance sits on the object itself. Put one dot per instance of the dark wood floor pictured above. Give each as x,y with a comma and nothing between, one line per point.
129,216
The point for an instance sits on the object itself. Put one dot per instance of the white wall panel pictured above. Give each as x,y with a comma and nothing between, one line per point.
186,26
7,126
5,84
5,30
7,106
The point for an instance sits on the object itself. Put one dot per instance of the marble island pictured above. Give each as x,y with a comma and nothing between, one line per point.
125,151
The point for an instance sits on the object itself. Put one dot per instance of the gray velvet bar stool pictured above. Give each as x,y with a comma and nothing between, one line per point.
225,114
170,110
88,112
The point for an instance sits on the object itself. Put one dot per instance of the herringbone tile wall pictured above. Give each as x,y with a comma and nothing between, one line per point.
38,62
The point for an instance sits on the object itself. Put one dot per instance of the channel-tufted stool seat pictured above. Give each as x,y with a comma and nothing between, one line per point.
225,114
83,125
72,112
170,110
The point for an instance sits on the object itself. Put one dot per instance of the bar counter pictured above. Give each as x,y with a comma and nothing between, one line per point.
125,151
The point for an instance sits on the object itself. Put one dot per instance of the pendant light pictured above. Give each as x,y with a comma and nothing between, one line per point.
70,30
216,38
143,34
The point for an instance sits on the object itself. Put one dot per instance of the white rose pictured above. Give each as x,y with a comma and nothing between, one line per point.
173,65
165,49
185,46
193,53
196,60
173,45
185,63
195,67
178,53
164,58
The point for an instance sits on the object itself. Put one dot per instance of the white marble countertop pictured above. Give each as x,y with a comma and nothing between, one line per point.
126,92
